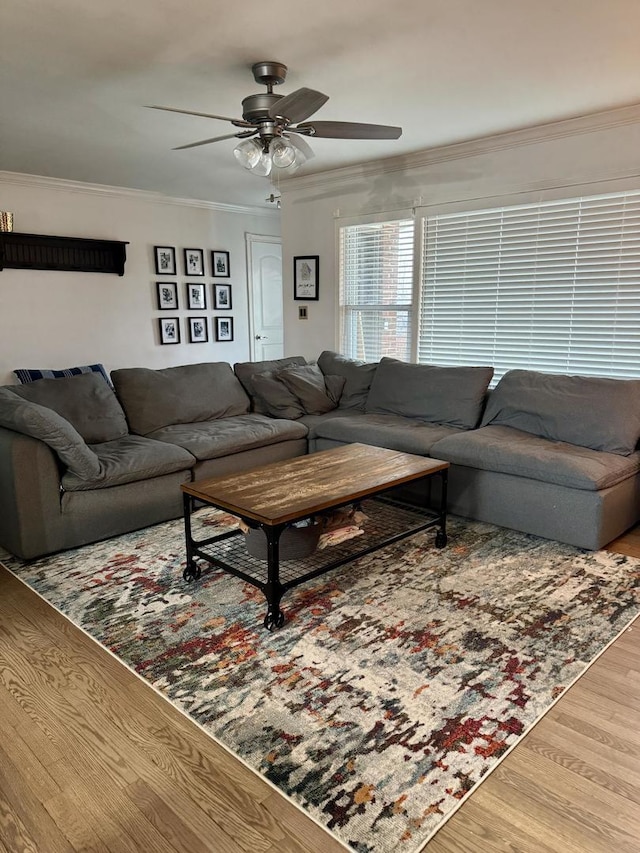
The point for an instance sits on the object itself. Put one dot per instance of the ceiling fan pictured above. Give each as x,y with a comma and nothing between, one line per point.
272,126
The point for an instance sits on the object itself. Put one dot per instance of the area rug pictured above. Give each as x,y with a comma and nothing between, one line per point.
397,682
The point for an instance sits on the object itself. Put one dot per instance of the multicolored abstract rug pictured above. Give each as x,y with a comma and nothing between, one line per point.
397,682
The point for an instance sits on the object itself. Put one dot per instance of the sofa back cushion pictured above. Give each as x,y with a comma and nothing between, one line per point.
46,425
246,370
153,399
442,395
85,400
590,411
358,377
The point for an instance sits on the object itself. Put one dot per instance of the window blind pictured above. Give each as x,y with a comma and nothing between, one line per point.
376,289
552,286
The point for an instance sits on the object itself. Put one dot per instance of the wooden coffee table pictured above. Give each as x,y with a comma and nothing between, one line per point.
273,496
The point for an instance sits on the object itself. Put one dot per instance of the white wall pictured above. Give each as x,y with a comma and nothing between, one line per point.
583,156
60,319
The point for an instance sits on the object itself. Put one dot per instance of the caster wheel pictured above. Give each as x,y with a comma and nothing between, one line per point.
441,539
273,620
191,573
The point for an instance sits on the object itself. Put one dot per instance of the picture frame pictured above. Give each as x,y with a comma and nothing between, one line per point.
306,277
169,330
167,292
193,262
198,330
165,258
196,296
220,264
222,297
224,328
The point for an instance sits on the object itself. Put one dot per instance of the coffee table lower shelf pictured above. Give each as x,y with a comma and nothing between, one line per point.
388,521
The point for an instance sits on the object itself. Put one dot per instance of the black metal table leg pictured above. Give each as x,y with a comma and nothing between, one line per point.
192,570
441,535
273,590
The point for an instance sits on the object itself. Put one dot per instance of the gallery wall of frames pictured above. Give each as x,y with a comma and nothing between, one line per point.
183,287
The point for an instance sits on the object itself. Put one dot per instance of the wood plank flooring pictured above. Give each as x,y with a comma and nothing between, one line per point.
91,759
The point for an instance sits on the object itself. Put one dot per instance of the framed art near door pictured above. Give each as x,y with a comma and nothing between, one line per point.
169,330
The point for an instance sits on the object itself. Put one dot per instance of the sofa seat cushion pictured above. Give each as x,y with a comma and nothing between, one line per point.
246,370
393,431
358,376
443,395
212,439
129,459
85,400
512,451
591,411
153,399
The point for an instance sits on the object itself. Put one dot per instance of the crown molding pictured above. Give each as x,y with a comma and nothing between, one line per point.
575,126
105,191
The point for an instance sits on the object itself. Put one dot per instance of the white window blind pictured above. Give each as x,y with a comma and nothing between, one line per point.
376,289
552,286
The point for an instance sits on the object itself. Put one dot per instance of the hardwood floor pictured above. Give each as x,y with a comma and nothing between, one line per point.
91,759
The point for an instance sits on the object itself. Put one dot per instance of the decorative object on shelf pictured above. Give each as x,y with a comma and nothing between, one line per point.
224,328
306,276
220,264
6,220
167,295
165,260
73,254
198,333
193,262
222,297
196,297
169,330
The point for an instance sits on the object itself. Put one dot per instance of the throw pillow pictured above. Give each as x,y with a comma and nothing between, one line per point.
48,426
358,377
26,375
275,398
309,386
246,370
85,400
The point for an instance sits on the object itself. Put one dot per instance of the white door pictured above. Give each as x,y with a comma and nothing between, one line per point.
264,263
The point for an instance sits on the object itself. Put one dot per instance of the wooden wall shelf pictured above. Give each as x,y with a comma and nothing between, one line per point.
74,254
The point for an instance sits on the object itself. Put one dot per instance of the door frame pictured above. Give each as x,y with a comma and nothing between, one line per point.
250,239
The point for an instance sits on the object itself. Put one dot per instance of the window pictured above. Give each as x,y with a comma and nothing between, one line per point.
376,290
552,286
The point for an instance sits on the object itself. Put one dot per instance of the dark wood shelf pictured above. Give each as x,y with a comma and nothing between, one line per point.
73,254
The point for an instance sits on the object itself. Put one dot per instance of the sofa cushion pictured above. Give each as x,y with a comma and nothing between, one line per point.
408,435
358,377
444,395
85,400
316,392
603,414
153,399
26,374
48,426
246,370
212,439
512,451
272,397
128,460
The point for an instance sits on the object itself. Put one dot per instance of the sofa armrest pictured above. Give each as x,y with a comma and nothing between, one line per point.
29,494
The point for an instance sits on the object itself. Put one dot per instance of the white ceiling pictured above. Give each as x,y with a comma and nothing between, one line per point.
75,74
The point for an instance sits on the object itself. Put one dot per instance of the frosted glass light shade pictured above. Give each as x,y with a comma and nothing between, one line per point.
282,152
248,153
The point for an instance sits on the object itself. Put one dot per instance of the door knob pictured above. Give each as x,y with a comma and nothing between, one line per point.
262,338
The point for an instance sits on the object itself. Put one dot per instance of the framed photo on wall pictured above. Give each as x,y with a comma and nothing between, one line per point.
198,333
306,276
167,295
193,262
165,257
196,297
224,328
220,264
169,330
222,297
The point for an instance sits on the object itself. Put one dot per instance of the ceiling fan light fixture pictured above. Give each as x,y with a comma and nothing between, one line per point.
248,153
282,152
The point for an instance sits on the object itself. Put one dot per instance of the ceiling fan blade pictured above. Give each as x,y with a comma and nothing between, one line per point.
348,130
214,139
299,105
237,121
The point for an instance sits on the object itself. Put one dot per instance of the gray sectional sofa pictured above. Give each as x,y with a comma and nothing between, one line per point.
81,460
